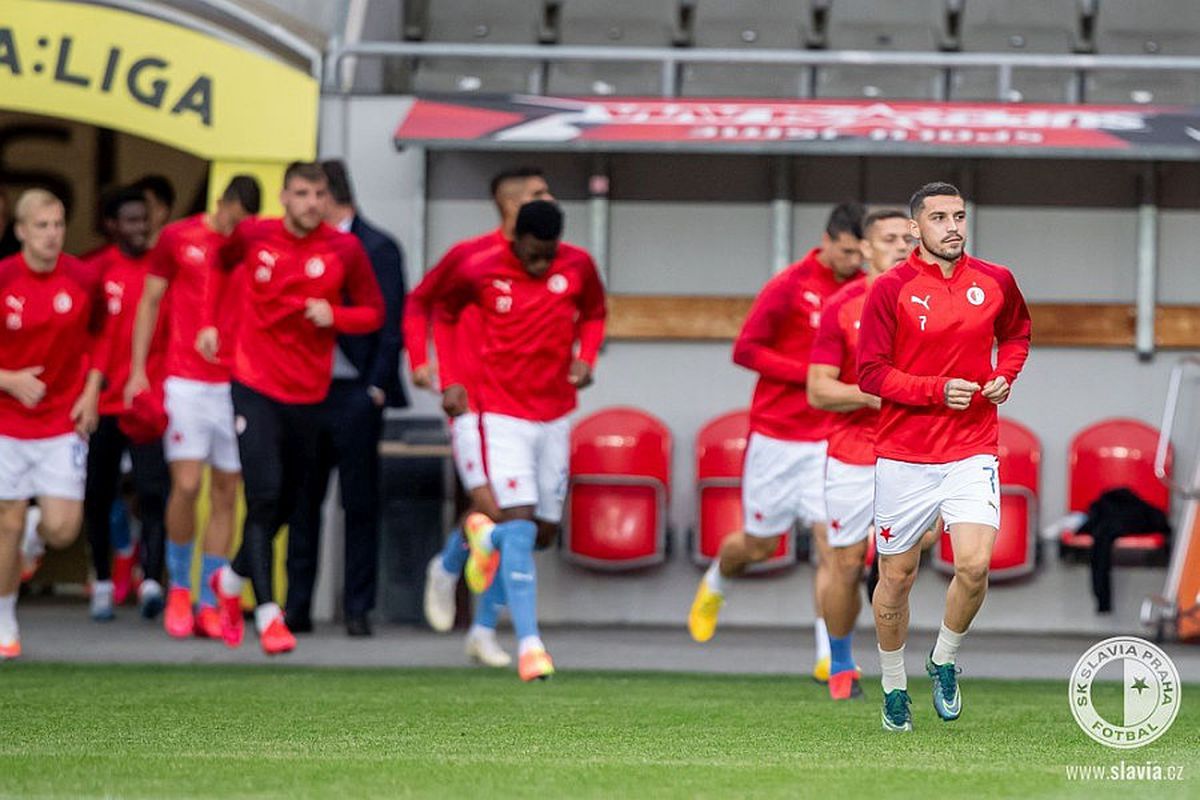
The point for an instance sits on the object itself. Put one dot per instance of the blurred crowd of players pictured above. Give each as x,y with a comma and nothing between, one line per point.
261,351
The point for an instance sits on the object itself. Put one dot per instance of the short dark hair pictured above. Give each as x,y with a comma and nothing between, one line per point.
935,189
244,190
541,219
880,216
117,197
339,181
845,218
305,170
159,186
513,174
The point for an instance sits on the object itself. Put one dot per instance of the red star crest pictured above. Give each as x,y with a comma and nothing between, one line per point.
836,524
886,533
176,437
758,516
512,483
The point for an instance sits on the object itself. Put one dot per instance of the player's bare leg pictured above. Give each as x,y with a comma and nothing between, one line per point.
973,545
223,490
62,519
12,528
890,603
822,577
441,578
186,477
841,604
738,553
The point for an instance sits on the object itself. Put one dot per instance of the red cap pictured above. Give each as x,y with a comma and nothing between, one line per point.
145,420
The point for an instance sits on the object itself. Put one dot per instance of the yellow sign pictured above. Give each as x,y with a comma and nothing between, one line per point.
128,72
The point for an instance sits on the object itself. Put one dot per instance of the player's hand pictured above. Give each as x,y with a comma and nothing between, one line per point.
26,386
318,312
580,374
959,393
378,396
85,414
454,400
208,342
137,383
997,389
873,402
425,376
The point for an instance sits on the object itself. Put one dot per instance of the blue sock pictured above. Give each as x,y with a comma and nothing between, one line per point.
179,564
454,554
118,527
208,565
487,607
514,540
841,658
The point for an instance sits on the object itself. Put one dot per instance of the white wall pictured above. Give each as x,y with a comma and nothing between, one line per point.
701,226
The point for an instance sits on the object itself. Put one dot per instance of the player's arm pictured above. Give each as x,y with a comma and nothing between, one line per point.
364,313
24,385
825,390
1013,328
590,328
418,312
459,292
216,285
754,346
877,373
144,324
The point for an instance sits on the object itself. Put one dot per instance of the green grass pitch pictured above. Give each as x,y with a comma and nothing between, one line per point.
208,731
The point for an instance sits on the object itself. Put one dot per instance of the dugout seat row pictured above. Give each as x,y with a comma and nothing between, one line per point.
620,482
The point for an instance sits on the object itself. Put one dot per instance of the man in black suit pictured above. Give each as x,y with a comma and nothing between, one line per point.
366,378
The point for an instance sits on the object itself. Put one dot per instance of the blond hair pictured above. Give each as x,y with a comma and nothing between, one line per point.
32,200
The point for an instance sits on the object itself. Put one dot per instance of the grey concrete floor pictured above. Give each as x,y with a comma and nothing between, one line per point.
60,630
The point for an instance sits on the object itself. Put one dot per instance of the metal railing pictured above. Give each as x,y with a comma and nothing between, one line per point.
670,61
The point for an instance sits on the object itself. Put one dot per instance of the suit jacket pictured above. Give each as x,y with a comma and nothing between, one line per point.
376,356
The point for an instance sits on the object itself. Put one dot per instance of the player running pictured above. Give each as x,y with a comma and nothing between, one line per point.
53,312
537,298
850,465
925,348
510,190
197,397
783,477
122,268
301,283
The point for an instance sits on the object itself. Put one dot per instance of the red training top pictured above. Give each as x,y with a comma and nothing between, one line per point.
530,326
278,352
52,320
852,440
919,330
776,341
123,279
188,257
466,332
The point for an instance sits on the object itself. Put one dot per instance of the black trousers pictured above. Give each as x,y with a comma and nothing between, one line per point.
151,482
348,440
276,443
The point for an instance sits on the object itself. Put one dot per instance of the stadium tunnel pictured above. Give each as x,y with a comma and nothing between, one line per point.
93,95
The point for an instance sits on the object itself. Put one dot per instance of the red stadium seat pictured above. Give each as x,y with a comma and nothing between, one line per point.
617,498
1015,552
1109,455
720,451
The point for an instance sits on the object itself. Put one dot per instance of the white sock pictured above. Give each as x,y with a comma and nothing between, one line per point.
946,649
821,636
149,588
714,578
892,663
32,545
530,643
231,583
8,617
265,614
100,588
480,632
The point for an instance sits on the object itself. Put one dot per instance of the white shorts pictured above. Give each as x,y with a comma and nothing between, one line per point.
909,497
527,463
467,444
52,467
849,501
200,424
782,482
